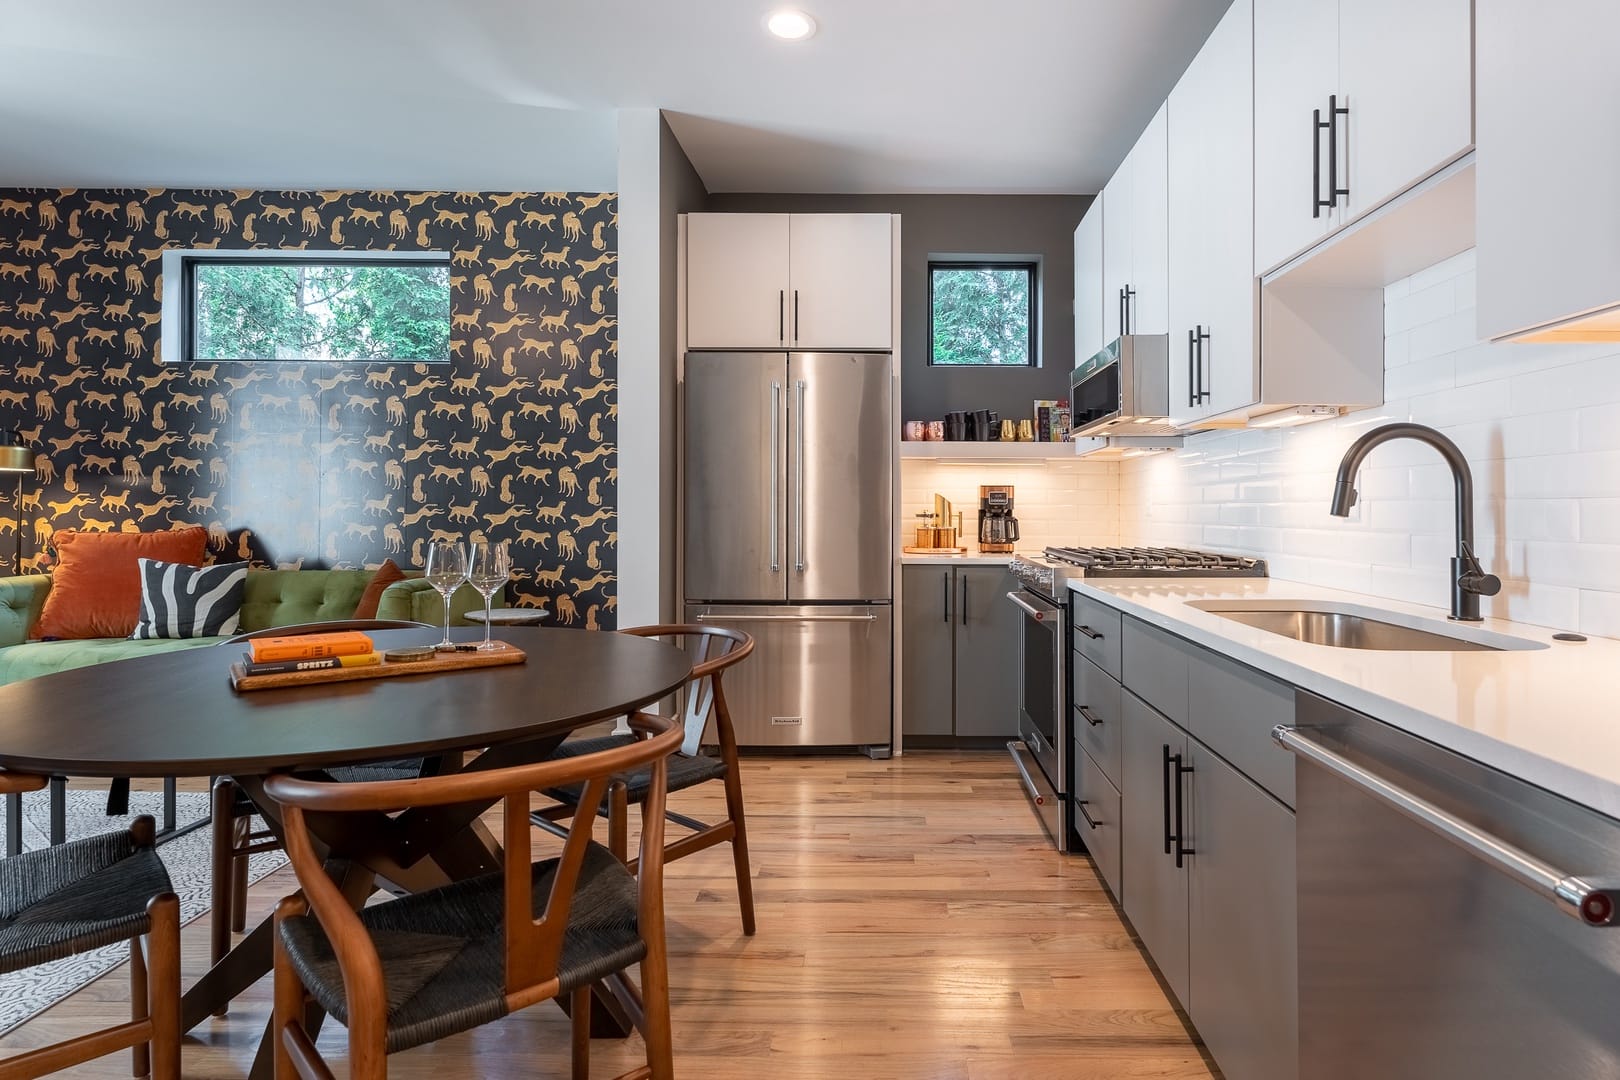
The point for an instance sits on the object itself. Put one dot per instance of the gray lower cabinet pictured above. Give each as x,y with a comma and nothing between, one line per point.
1242,931
1097,817
958,652
1155,887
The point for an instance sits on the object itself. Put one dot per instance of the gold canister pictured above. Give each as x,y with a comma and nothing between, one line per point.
1009,431
1026,431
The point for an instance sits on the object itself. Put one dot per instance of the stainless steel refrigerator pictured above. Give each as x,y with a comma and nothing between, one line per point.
788,534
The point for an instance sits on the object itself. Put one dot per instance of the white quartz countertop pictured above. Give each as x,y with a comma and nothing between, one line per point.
1550,716
972,558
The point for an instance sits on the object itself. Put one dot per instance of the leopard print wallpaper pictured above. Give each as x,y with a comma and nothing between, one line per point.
313,464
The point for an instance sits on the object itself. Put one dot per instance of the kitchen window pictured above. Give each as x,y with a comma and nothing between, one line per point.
981,314
327,307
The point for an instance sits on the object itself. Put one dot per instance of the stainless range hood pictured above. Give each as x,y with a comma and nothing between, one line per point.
1124,390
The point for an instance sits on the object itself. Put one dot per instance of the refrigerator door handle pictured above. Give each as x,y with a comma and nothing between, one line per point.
798,481
776,469
784,618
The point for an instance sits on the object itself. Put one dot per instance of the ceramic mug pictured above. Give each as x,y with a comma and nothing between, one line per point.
1009,431
1026,431
936,431
916,430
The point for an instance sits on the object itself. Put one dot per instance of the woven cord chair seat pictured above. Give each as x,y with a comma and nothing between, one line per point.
684,772
442,951
70,898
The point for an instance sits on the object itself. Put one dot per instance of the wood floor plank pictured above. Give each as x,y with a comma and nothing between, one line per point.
913,925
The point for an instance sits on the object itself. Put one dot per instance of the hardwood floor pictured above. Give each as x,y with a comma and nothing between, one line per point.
912,924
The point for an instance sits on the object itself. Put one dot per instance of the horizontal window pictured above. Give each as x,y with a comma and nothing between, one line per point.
981,314
362,308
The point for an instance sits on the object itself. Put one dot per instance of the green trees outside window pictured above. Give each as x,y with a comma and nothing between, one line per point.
351,311
981,314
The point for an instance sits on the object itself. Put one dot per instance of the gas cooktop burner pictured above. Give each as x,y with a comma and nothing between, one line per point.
1152,562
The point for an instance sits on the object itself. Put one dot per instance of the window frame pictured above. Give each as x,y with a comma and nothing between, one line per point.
179,319
1031,266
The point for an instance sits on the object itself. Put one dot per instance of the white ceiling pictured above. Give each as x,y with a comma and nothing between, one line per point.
890,95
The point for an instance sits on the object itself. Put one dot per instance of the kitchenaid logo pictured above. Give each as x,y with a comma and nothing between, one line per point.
787,720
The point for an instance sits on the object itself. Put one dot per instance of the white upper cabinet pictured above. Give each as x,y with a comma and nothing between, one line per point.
1354,102
1548,258
1134,244
1150,228
736,280
1213,365
1406,66
1296,70
1089,333
796,281
841,281
1116,250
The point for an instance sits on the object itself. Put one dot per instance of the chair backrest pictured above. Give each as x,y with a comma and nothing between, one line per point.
713,649
533,946
15,783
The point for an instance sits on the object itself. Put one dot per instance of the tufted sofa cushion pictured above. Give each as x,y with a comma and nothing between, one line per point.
290,597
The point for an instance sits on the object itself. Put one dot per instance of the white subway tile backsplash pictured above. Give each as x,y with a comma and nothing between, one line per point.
1057,503
1540,425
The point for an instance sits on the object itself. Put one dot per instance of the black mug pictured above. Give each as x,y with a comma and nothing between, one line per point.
983,425
955,427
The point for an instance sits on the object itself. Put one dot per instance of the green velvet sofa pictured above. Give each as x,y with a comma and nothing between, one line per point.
272,598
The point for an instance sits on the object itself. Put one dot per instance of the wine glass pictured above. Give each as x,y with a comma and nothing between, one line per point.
446,570
489,564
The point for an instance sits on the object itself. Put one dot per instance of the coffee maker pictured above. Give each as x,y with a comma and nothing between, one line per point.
998,529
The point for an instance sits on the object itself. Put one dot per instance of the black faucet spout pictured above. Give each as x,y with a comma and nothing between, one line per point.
1468,580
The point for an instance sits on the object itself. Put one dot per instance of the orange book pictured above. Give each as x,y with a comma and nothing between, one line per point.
309,646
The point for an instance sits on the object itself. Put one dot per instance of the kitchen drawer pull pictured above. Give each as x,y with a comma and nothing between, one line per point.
1086,713
1018,752
1592,901
1089,632
1080,805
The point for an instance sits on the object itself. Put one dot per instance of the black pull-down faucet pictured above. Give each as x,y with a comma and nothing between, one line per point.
1469,581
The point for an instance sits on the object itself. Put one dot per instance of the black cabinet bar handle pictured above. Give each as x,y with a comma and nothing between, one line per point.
1335,110
781,314
1317,127
1127,324
945,597
964,599
1182,850
1120,306
1203,394
1164,779
795,314
1085,712
1192,385
1089,632
1080,804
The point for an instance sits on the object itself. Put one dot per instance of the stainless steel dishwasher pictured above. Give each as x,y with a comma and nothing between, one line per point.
1454,921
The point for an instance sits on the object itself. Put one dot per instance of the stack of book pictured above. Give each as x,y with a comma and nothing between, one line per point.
309,652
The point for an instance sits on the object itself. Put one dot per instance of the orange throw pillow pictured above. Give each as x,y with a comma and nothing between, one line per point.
386,575
96,582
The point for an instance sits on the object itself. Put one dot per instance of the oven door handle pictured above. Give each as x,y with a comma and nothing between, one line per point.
1018,751
1037,609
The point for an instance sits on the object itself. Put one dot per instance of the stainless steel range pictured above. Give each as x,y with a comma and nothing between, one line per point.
1041,751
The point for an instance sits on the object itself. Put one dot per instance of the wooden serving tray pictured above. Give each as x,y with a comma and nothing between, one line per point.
242,682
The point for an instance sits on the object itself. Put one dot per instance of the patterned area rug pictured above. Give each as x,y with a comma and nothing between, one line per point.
24,994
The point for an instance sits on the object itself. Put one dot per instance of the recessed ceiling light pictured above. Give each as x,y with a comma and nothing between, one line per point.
790,24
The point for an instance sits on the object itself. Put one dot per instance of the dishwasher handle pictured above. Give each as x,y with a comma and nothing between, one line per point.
1593,902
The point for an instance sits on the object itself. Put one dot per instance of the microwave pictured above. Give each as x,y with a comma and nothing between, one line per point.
1124,389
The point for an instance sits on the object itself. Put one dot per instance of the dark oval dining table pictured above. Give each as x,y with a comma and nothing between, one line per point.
176,715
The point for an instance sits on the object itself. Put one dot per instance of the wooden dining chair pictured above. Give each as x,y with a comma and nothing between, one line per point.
714,648
410,971
235,841
70,898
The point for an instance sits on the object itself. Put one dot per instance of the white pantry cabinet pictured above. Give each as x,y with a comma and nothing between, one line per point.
1383,91
1548,261
798,281
1090,334
1136,282
1213,363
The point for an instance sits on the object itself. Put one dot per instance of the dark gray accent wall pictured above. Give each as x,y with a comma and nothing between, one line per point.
1041,226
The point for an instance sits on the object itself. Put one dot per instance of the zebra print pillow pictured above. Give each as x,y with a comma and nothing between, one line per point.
180,601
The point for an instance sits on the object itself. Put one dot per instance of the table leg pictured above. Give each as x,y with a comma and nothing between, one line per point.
241,968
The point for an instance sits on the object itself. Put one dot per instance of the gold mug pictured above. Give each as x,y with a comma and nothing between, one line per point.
1009,431
1026,431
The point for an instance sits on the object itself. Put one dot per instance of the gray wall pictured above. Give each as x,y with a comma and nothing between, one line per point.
943,225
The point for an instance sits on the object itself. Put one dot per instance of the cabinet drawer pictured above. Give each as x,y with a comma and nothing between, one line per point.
1096,819
1095,629
1096,715
1232,711
1155,667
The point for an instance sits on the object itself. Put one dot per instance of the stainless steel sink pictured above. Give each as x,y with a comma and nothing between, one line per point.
1349,628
